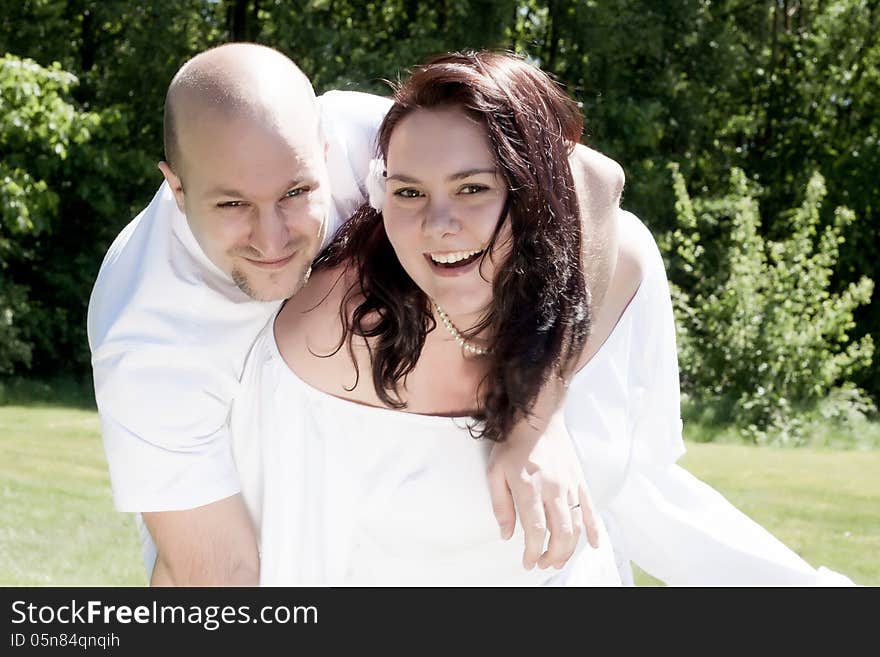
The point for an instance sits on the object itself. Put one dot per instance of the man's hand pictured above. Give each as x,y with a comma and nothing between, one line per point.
536,470
211,545
537,473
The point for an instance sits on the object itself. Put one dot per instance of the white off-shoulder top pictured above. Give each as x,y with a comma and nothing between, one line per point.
347,494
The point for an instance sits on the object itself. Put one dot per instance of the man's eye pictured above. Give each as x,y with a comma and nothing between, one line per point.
293,193
472,189
231,204
408,192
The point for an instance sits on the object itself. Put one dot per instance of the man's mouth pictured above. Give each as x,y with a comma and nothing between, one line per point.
454,259
271,264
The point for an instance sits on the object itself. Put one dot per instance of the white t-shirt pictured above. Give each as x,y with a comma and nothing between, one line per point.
169,333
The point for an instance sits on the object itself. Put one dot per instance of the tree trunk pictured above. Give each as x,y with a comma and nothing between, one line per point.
236,20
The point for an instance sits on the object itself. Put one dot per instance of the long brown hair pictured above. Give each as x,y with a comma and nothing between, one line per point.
539,310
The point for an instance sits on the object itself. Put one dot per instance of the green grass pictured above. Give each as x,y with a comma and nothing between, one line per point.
57,522
58,526
822,503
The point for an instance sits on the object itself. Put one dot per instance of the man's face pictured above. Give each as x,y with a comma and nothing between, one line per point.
256,198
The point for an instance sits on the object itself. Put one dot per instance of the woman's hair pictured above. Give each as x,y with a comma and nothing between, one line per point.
538,315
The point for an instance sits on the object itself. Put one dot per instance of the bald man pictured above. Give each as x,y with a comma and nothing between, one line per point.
259,174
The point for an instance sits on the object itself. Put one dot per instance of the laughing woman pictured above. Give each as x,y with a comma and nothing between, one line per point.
435,318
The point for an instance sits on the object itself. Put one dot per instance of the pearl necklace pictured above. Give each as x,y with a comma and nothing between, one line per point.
456,334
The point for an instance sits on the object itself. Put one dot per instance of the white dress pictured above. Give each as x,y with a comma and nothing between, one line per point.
343,493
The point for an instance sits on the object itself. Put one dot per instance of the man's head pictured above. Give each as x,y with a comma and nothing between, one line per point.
246,163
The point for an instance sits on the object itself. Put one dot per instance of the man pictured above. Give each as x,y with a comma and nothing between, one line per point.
259,174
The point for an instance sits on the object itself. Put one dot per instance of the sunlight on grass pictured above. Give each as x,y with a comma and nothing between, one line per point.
824,504
58,525
57,522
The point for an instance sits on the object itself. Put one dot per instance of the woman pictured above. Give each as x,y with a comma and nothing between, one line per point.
439,314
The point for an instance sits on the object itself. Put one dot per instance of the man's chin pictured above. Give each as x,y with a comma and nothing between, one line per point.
282,288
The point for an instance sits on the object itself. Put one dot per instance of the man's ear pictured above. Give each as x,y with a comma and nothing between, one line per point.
174,183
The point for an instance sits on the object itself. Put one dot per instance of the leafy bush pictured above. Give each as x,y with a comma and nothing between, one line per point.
63,173
762,337
37,128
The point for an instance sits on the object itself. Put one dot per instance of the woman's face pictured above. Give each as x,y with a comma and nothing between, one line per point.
444,197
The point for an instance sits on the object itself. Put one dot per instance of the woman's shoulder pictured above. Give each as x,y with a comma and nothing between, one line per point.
311,338
316,301
309,320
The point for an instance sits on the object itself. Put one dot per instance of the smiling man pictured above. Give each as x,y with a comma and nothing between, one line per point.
259,174
246,164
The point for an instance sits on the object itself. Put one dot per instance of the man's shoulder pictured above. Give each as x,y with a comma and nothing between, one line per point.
352,112
141,232
125,264
352,102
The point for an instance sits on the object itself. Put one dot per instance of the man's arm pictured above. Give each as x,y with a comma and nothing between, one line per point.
211,545
168,450
536,472
599,183
538,468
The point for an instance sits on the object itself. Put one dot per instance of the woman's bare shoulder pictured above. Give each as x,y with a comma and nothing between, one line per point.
637,243
310,318
310,336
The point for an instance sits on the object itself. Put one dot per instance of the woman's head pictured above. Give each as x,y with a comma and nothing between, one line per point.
441,212
476,150
469,137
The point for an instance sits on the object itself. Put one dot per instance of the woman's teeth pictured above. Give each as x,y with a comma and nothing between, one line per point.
450,258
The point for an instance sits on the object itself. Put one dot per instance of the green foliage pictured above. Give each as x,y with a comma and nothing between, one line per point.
357,45
62,175
39,125
778,89
763,336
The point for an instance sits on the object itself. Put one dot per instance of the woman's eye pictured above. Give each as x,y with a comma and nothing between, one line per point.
472,189
231,204
408,192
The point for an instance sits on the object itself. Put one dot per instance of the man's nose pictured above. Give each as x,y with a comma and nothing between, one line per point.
270,235
439,220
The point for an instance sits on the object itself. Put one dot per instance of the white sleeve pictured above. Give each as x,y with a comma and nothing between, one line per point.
674,526
350,123
164,424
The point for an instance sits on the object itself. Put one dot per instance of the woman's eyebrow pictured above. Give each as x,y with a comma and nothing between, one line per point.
455,176
403,178
472,172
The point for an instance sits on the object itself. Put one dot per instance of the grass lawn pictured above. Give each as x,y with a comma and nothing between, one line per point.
58,526
57,522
